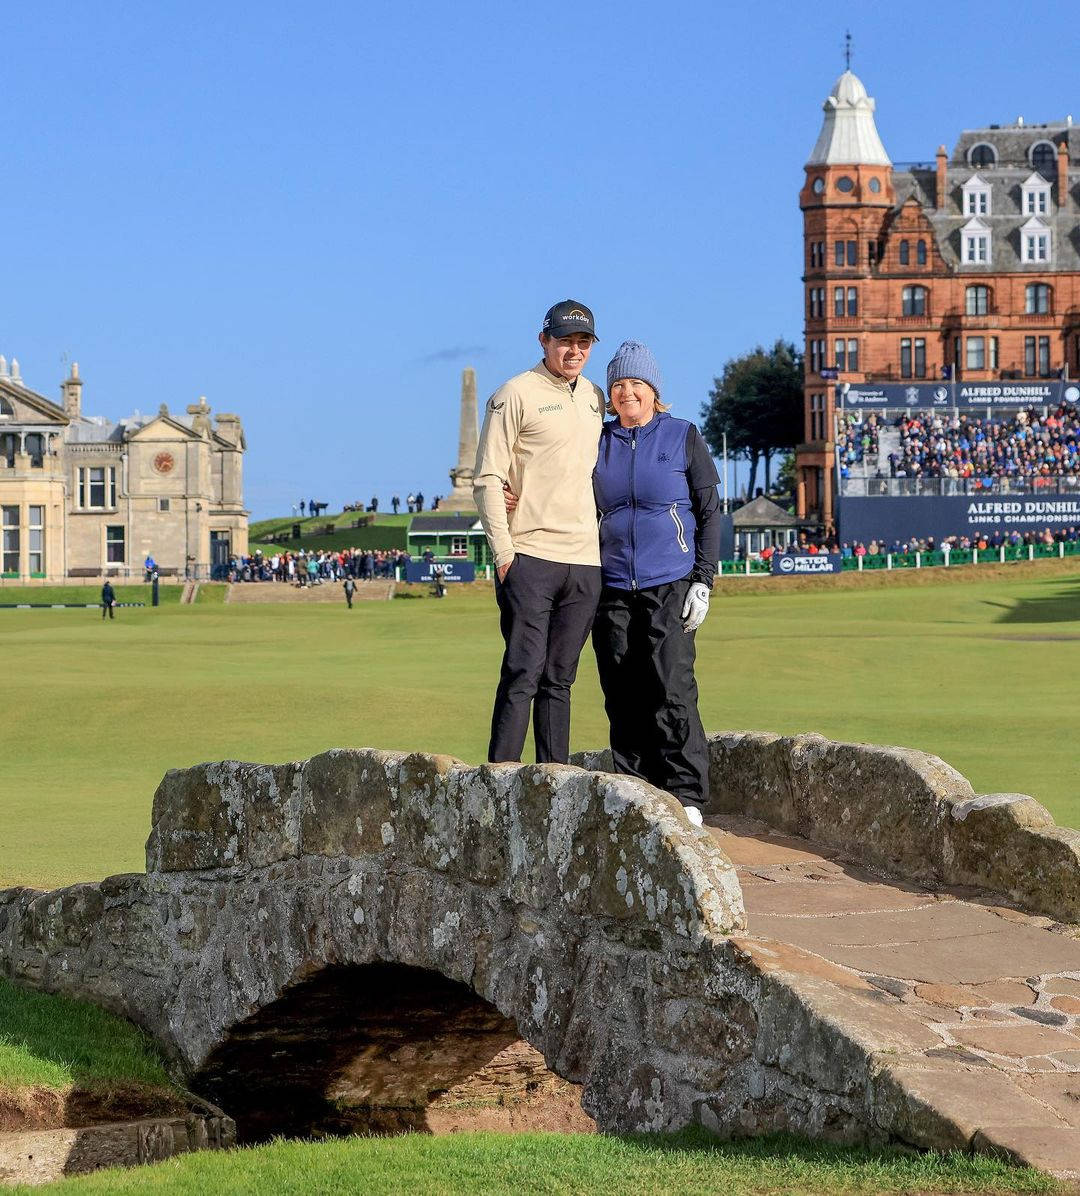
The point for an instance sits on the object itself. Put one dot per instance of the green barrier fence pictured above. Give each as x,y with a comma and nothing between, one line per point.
925,560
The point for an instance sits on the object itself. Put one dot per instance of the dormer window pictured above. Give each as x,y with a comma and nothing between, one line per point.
1035,245
975,243
1043,156
982,155
976,197
1036,193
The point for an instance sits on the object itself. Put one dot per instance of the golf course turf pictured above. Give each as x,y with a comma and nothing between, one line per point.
982,674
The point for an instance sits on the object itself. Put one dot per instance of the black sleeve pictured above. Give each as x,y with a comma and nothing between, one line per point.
702,479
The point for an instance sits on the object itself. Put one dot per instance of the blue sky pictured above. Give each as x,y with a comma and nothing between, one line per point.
316,216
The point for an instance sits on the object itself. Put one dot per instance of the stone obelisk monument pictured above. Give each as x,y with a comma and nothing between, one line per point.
460,497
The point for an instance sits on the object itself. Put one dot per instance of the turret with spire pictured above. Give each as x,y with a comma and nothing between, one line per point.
846,201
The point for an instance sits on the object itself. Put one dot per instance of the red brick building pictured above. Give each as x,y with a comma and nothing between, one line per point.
967,267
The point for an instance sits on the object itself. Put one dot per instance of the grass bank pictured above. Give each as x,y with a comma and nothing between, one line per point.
978,673
65,1062
691,1162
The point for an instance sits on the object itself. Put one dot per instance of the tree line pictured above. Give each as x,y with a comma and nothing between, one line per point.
758,403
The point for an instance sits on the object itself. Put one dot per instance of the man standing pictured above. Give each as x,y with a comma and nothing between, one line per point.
108,600
350,589
539,437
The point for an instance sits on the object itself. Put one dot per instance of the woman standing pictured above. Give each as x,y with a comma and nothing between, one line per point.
655,487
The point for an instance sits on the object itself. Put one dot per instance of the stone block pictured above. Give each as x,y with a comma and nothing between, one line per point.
750,774
346,804
223,815
885,805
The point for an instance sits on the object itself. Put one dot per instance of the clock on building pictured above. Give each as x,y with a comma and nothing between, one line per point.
164,462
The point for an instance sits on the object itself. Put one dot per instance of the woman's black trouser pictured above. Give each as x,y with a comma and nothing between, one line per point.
646,664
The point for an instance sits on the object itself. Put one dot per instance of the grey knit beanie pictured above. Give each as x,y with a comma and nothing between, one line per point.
633,360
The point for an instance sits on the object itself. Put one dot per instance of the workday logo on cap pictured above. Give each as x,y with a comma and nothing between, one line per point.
568,317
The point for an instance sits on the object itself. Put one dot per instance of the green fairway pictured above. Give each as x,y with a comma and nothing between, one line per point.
983,674
691,1162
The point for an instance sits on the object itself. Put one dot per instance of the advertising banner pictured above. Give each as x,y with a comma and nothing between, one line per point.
967,396
451,570
892,519
795,564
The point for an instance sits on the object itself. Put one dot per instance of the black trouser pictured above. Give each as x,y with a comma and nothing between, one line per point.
107,609
546,609
646,665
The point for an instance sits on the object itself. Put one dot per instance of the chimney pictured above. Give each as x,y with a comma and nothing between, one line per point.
16,374
1063,174
942,186
71,389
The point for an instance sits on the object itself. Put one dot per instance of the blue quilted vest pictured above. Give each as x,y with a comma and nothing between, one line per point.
647,525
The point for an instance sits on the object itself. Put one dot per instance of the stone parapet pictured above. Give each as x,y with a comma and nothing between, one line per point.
902,811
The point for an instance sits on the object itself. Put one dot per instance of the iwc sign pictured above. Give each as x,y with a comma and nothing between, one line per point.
164,462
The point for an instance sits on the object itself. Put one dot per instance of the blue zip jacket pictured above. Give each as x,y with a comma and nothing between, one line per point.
655,490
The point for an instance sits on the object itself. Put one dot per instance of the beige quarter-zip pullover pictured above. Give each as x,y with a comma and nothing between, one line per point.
540,436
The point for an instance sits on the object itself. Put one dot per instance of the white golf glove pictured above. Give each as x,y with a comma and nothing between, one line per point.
696,606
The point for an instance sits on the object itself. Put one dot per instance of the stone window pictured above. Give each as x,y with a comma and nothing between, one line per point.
9,530
1036,299
97,488
920,357
838,301
1037,356
853,356
853,301
913,301
36,540
817,417
905,253
920,253
114,544
163,505
976,353
905,357
841,356
977,301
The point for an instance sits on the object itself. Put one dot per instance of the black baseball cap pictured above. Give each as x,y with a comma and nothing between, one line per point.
568,317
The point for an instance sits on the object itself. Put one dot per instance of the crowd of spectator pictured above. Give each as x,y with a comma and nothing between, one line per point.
856,440
1027,445
313,568
980,540
413,502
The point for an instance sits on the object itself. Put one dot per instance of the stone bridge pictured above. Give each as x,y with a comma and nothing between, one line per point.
376,939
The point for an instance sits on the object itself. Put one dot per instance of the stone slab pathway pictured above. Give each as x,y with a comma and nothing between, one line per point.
986,999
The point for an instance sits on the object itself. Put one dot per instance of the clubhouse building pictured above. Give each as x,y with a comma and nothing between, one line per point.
83,496
941,283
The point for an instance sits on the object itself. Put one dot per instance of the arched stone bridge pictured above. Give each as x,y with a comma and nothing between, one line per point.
375,928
